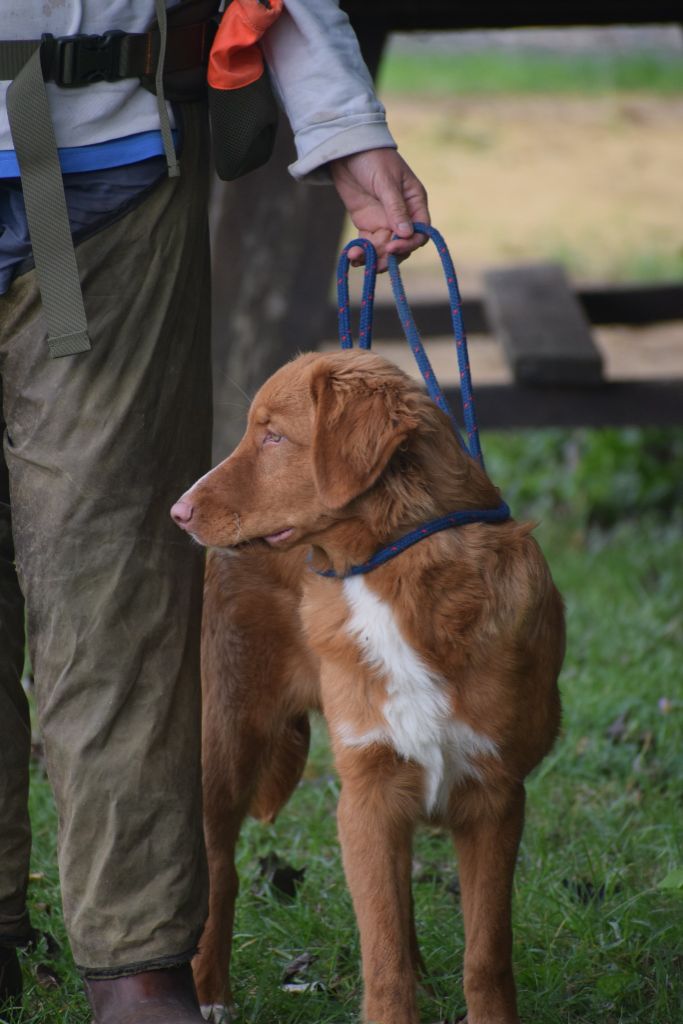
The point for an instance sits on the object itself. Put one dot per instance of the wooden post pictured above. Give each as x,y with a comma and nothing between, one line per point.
274,244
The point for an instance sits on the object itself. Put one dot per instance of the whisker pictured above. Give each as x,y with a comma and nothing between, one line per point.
237,387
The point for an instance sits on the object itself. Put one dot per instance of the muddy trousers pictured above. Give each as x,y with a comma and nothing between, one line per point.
97,447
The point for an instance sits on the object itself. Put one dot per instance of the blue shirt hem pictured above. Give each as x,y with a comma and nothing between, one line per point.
115,153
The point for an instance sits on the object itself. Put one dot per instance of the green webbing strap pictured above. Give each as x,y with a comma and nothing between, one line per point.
33,135
164,122
13,55
48,220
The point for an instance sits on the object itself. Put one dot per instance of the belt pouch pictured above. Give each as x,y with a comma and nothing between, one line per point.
242,107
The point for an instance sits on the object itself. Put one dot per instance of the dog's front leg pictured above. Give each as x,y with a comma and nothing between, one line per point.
487,851
376,849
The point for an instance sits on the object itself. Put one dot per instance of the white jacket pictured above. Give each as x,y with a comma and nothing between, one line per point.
312,53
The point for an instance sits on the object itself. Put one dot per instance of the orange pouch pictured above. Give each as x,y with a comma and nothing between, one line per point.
242,106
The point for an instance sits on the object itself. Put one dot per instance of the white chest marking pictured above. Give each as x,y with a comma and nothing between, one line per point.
418,719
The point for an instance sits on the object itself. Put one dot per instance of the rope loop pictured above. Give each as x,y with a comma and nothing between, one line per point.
367,298
471,445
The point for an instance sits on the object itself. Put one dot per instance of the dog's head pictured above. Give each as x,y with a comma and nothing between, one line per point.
321,434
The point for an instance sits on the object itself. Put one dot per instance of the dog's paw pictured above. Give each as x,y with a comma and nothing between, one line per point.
217,1013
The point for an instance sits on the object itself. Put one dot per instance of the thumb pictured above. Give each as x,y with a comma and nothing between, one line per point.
395,209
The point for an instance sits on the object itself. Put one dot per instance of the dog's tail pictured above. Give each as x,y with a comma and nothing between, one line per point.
282,768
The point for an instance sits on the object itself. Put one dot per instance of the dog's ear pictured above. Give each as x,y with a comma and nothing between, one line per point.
358,426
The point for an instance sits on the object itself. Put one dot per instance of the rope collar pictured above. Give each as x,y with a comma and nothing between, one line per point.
470,443
447,522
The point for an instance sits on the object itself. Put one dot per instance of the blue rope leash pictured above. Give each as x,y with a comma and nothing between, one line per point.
447,522
367,302
472,445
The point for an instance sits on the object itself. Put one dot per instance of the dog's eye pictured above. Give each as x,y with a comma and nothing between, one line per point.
272,438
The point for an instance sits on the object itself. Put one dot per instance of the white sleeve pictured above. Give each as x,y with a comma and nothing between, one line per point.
324,86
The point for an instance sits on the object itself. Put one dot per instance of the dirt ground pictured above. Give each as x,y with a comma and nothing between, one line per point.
596,183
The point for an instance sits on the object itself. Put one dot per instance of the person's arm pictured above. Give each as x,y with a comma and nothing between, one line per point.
339,125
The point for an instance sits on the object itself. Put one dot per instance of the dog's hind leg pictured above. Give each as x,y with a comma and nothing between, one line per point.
232,756
229,782
211,966
255,684
487,850
256,776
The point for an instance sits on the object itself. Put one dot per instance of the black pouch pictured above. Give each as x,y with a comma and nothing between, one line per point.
242,106
243,127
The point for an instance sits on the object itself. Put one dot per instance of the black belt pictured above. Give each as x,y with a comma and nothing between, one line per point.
73,61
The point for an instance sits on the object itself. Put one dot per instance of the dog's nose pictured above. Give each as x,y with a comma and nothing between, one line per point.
181,513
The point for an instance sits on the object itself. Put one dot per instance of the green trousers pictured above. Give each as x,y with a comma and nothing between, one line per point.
97,447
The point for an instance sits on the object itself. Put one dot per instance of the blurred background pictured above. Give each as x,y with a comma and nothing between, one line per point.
554,147
546,151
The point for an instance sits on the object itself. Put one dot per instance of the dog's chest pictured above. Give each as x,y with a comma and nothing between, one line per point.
416,716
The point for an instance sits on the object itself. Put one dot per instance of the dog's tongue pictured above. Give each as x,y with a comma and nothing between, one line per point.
275,538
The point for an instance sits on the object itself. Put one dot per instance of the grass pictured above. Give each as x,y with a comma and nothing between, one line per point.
598,911
648,265
494,73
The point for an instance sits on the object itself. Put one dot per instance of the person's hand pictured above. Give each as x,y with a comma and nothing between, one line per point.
383,198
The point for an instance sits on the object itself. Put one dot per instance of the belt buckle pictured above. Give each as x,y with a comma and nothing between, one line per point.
82,59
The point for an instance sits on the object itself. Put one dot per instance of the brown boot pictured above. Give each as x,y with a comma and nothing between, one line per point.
152,997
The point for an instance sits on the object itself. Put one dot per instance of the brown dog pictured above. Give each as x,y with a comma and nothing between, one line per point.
436,673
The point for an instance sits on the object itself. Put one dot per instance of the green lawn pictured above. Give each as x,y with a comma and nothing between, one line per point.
598,906
493,72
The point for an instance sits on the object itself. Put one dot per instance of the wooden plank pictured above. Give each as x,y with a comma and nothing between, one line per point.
617,404
632,304
432,319
405,15
544,332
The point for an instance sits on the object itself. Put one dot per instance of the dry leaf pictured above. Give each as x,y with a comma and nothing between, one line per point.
300,964
47,976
